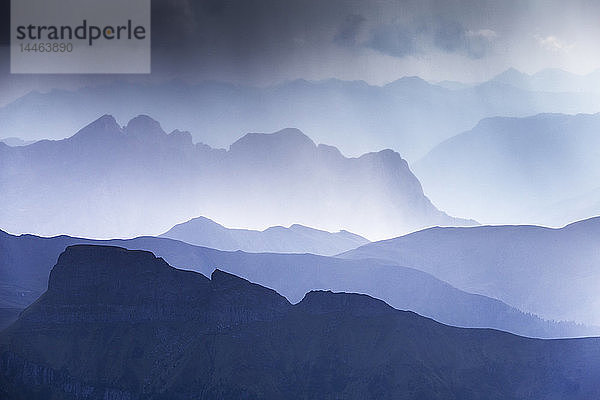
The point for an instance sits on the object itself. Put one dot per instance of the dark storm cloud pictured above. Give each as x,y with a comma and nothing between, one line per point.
453,37
349,31
449,36
245,37
422,36
394,39
268,41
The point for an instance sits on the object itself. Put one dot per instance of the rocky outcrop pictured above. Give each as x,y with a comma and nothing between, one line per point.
106,284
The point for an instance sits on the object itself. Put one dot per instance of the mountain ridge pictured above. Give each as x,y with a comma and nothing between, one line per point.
545,271
292,275
121,182
297,238
397,115
239,339
516,170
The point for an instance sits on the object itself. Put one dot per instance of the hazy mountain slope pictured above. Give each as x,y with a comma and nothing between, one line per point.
123,324
108,181
14,141
550,272
408,115
202,231
293,275
572,209
551,80
510,170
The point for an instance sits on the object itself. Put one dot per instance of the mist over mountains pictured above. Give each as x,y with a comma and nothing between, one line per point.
336,200
506,167
185,336
518,170
108,181
202,231
409,115
28,260
551,80
550,272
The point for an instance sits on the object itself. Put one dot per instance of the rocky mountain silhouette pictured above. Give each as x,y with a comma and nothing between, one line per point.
112,181
408,115
124,324
26,267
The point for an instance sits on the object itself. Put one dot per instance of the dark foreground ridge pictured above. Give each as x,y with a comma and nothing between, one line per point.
123,324
28,260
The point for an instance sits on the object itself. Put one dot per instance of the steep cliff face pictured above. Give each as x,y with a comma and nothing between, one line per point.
105,284
127,306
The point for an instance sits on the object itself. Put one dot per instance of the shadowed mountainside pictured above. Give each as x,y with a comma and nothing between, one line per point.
29,258
123,324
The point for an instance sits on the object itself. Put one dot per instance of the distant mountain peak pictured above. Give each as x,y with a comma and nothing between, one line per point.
182,137
412,82
144,126
106,121
104,126
299,227
285,140
202,220
512,77
512,72
388,158
298,238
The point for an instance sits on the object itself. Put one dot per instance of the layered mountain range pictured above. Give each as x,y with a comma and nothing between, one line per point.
409,115
550,272
113,181
551,80
124,324
28,259
542,169
202,231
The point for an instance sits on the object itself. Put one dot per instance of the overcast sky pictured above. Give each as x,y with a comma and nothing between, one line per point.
377,41
261,42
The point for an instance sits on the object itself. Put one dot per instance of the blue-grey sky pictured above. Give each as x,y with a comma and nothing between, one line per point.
377,41
267,41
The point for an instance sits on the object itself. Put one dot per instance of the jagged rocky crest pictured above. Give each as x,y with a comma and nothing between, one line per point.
113,181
